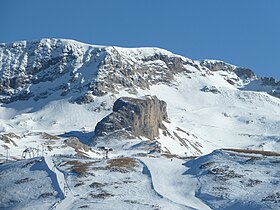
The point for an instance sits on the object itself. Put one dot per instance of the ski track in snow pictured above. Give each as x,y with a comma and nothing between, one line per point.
148,173
169,181
67,193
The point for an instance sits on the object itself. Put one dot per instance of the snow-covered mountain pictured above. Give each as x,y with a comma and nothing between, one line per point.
57,86
53,92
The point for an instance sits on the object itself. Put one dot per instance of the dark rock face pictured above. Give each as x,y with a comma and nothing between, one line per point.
211,89
273,83
275,94
140,117
217,66
27,69
242,73
270,81
115,71
245,73
85,99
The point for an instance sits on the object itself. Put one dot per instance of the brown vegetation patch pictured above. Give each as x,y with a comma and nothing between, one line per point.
12,135
127,163
132,201
49,148
252,159
182,140
251,182
25,180
49,136
261,152
180,129
83,207
102,195
206,165
80,168
170,155
224,174
195,146
273,198
7,139
79,184
80,148
45,195
97,185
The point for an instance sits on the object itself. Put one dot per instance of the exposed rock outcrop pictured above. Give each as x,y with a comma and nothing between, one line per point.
27,69
129,69
273,83
85,99
270,81
245,73
80,148
82,72
140,117
215,65
211,89
234,75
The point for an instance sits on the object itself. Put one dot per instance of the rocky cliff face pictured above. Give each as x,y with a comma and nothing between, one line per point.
234,75
35,70
140,117
134,68
243,78
38,69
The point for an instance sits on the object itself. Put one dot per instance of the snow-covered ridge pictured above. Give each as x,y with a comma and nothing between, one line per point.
27,68
243,78
37,69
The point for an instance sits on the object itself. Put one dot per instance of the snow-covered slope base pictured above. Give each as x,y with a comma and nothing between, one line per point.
28,184
221,180
234,180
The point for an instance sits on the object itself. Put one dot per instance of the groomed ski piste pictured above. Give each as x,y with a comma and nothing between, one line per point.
168,179
68,196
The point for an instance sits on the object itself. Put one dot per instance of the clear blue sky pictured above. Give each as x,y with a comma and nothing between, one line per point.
241,32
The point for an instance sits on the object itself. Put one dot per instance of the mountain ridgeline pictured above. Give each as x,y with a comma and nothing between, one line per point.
36,69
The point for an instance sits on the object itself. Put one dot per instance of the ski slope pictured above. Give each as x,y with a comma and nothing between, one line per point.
67,193
169,181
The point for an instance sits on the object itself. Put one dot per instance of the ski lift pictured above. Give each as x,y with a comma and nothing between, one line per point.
107,150
28,151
